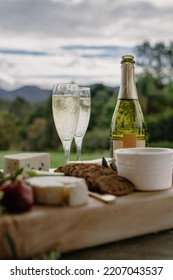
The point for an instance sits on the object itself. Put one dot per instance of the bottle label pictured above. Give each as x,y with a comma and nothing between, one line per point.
129,141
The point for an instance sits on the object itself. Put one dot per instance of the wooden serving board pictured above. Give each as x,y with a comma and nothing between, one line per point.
45,228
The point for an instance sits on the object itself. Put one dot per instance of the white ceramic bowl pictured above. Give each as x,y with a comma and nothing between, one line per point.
148,169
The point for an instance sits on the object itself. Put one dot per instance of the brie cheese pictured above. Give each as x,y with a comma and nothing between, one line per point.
59,190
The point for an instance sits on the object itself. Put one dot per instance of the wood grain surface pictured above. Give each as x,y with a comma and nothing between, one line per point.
67,229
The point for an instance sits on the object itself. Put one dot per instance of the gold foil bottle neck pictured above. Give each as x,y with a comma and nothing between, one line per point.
127,87
127,59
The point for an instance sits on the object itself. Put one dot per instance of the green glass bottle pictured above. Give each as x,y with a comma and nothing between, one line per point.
128,127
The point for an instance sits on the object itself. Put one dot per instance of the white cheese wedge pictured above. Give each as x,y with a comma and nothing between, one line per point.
39,161
59,190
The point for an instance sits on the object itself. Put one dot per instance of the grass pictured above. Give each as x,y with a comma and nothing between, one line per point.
57,158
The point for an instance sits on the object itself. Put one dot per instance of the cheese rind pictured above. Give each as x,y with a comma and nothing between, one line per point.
39,161
59,190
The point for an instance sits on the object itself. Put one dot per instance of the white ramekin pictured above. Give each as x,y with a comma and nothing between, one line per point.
148,169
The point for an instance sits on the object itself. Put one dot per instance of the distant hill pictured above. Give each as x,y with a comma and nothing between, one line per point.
32,94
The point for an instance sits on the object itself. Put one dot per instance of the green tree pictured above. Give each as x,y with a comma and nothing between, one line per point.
36,134
157,60
160,126
7,130
20,109
101,107
39,137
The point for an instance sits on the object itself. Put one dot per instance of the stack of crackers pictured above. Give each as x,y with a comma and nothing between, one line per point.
98,178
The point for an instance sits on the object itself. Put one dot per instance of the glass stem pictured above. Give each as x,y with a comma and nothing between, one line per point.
67,147
78,141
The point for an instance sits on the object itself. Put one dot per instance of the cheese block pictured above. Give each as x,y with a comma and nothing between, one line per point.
39,161
60,190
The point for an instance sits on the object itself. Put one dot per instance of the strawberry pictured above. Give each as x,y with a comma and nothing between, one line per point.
17,197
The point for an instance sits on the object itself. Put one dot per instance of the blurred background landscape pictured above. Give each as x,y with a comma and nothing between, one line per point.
82,41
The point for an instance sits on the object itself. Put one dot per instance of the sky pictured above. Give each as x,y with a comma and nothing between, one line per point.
44,42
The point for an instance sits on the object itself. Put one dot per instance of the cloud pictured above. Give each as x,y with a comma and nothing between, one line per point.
77,63
83,18
48,41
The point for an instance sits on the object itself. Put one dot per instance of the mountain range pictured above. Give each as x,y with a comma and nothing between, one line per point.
32,94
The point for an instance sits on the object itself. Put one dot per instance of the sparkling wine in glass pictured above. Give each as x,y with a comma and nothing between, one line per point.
65,108
84,117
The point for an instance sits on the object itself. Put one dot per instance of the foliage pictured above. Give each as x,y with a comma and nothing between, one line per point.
7,130
156,60
161,126
152,99
103,104
97,139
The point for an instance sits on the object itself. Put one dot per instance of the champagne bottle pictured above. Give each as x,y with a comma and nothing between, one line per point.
128,128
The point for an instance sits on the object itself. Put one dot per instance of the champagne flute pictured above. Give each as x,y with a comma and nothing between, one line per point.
84,117
65,107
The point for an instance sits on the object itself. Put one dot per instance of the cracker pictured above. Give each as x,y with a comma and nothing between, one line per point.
98,178
115,185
